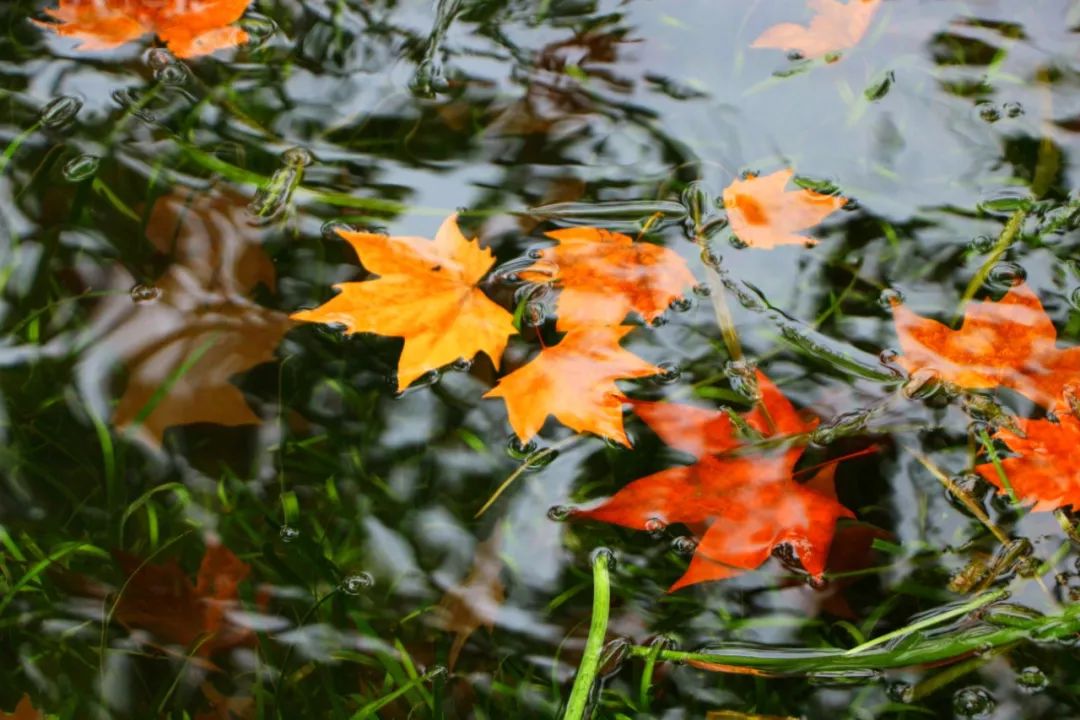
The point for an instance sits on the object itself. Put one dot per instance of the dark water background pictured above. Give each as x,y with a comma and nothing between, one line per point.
353,506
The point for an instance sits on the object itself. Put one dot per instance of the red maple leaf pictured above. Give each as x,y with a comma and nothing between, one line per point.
1044,470
747,502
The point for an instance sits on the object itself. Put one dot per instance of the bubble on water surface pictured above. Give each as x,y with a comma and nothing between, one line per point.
681,304
973,703
60,111
982,243
684,545
288,533
81,168
461,365
559,513
173,74
1013,109
655,527
145,293
890,298
1005,275
605,553
1031,680
704,290
519,450
669,372
900,691
355,584
922,384
1074,298
989,113
711,258
296,157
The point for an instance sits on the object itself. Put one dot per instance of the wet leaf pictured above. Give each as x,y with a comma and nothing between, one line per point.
475,601
1045,470
763,215
225,707
188,27
162,600
183,339
23,711
426,292
835,26
748,502
605,275
1010,342
575,382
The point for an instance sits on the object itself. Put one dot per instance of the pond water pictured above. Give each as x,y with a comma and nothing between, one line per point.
212,509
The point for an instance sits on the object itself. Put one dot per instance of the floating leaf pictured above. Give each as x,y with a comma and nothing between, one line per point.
763,215
575,382
188,27
835,26
605,275
23,711
426,292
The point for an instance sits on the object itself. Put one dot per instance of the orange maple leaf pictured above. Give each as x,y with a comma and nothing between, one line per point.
763,215
162,600
835,26
749,504
1011,342
605,275
427,294
188,27
575,382
1045,471
23,711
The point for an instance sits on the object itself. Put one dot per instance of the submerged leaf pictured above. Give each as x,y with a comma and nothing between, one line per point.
763,215
1011,342
605,275
835,26
749,503
426,292
188,27
475,601
23,711
1045,470
575,382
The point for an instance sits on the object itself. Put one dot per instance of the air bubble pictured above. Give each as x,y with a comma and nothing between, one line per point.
355,584
540,459
80,168
669,372
982,244
145,293
519,450
534,314
613,655
816,583
1031,680
559,513
1005,275
535,254
705,291
655,527
711,258
743,378
921,384
296,157
60,111
900,691
1013,109
158,58
173,74
684,545
461,365
738,243
681,305
288,533
658,321
989,113
795,56
973,703
332,229
1075,298
890,298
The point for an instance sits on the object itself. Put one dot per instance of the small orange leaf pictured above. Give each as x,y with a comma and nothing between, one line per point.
1011,342
835,26
188,27
749,504
475,601
763,215
427,294
23,711
605,275
575,382
1045,470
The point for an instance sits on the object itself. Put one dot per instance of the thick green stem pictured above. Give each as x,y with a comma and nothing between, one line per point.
590,660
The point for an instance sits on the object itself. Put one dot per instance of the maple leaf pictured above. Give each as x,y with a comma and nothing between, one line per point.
162,600
748,504
427,294
575,382
835,26
605,275
1045,471
23,711
475,601
188,27
183,343
1011,342
763,215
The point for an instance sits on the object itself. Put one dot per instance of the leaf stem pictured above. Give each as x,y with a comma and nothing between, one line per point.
590,660
1008,235
961,495
991,452
526,464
